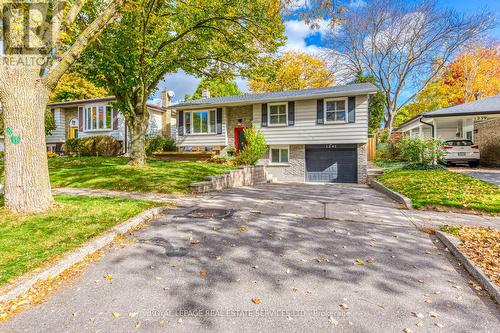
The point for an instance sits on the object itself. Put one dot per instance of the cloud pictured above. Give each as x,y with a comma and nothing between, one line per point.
180,83
298,32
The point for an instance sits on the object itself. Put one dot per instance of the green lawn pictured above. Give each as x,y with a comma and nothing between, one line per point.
115,174
28,241
443,188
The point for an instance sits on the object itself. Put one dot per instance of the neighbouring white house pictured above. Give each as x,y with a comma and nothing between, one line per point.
315,135
97,116
478,121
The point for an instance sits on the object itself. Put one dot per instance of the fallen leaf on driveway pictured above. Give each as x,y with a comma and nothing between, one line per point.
332,321
132,314
243,228
137,325
344,307
195,241
203,273
116,314
418,315
420,324
407,330
371,261
359,262
109,277
256,300
439,325
433,314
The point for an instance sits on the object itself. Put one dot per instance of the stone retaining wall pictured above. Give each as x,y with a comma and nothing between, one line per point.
244,176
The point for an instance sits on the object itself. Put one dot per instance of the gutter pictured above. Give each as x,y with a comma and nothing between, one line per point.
431,125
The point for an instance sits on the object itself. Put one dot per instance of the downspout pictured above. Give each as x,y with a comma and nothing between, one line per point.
431,125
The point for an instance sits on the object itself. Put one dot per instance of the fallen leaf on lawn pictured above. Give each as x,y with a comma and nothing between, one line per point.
332,321
116,314
195,241
256,300
344,307
203,273
359,262
243,229
109,277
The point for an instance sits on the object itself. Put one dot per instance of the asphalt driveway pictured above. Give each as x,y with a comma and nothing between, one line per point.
489,175
297,258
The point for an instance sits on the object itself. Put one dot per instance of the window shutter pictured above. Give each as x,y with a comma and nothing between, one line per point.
219,120
180,123
114,114
80,119
291,113
352,109
264,115
320,117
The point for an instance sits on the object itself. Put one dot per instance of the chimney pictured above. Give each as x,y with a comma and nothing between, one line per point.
166,96
205,93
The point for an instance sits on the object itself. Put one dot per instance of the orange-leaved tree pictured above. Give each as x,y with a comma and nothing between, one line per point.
292,70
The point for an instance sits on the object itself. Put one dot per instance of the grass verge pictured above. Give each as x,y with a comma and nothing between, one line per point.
428,188
29,241
481,245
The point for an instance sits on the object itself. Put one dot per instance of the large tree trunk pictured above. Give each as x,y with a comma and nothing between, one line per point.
138,126
24,101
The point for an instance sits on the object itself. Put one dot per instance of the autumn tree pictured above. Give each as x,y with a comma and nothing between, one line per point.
218,38
473,74
398,42
73,86
216,87
376,106
292,70
33,59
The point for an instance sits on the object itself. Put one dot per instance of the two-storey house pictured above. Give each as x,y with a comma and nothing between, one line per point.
316,135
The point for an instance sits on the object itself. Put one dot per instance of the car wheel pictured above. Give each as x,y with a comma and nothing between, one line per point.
473,164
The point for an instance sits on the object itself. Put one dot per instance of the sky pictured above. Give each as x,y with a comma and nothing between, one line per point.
300,37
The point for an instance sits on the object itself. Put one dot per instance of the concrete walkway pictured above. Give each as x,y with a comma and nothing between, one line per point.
292,257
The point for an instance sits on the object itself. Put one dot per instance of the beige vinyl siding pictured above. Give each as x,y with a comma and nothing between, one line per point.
58,135
194,140
306,131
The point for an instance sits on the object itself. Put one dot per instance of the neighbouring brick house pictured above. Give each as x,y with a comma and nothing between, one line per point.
478,121
97,116
313,135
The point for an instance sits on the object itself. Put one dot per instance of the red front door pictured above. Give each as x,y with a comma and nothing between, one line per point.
239,139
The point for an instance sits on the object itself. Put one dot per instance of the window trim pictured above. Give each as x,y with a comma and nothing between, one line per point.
191,129
280,147
269,114
346,101
86,108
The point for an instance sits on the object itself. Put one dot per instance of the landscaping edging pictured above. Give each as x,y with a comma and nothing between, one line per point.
405,201
243,176
453,244
23,285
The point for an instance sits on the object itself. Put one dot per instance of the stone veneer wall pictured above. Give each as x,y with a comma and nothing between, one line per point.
488,139
244,176
294,171
235,113
362,163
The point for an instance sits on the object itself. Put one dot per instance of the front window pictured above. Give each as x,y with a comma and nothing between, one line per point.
335,110
200,122
277,114
279,155
98,117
